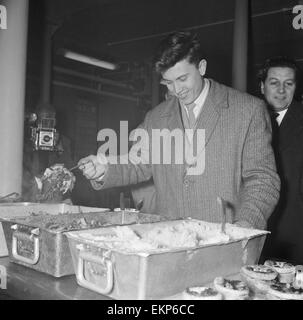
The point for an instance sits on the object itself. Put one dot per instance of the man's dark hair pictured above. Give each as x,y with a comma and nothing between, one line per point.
176,47
279,61
283,62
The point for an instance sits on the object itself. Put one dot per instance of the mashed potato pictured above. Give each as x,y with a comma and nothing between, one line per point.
163,236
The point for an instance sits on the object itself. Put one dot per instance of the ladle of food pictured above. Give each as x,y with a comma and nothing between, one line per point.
55,182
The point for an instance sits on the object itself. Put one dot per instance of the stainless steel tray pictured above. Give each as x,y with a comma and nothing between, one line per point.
17,209
155,274
39,241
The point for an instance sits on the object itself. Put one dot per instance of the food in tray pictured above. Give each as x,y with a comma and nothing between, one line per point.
55,182
127,209
63,222
201,293
286,271
78,221
180,234
284,291
231,289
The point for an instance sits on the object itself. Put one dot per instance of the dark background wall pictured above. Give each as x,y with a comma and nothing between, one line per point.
126,32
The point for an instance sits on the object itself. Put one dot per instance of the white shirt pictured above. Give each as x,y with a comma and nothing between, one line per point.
199,102
281,116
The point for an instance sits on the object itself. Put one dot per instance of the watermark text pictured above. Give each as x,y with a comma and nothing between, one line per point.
3,17
158,146
297,22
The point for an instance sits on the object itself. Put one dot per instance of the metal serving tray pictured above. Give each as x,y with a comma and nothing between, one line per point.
39,242
19,209
159,273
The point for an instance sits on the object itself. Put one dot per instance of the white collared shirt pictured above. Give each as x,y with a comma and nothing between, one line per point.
199,102
281,116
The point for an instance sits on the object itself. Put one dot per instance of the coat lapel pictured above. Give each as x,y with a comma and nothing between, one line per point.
210,112
216,100
174,120
291,126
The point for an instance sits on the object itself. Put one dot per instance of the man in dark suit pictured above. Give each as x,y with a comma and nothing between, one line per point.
279,80
229,130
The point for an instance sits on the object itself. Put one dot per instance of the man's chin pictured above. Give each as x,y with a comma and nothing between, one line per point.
279,107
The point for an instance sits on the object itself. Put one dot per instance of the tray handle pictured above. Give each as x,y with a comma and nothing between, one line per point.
98,260
33,238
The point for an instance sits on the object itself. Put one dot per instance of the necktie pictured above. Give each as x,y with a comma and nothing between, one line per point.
190,141
191,115
275,115
275,129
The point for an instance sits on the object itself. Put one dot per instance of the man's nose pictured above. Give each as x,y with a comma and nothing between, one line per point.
281,88
177,88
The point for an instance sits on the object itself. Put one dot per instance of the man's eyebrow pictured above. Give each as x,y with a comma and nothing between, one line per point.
166,80
183,75
274,78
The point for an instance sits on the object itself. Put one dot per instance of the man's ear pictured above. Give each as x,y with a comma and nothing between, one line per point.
262,87
202,67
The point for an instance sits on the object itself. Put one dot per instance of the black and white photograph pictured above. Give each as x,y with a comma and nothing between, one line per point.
151,150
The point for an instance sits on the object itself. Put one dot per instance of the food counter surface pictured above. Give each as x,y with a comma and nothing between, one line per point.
24,283
27,284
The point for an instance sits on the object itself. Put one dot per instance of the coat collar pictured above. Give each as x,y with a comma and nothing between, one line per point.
217,94
216,100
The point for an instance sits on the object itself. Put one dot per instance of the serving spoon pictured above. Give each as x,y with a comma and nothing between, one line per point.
75,167
223,205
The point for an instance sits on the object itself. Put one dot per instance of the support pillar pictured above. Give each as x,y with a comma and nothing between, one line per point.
240,45
13,48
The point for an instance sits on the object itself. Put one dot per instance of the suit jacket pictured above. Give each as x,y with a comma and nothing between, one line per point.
286,222
239,161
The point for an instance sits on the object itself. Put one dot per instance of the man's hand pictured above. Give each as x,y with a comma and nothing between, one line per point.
93,167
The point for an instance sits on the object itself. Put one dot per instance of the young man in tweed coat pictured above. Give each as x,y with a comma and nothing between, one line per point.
235,155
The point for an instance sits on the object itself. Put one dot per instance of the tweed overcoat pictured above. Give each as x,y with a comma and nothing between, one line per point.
239,161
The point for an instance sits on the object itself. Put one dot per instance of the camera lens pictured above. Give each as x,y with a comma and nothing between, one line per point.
46,138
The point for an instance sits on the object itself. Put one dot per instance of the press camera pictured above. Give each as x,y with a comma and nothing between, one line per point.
44,135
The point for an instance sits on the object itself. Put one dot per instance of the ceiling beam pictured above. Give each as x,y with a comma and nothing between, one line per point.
95,91
206,25
90,77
